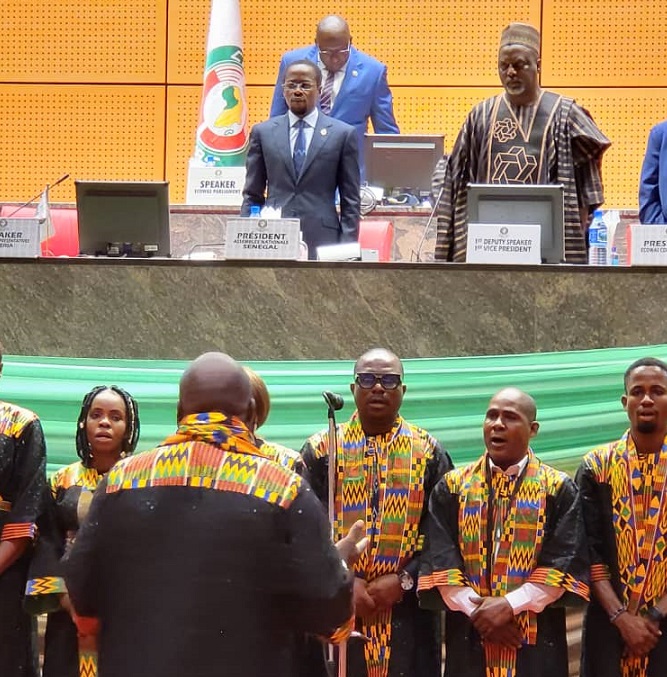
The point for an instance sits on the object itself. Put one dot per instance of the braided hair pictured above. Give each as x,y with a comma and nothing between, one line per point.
131,436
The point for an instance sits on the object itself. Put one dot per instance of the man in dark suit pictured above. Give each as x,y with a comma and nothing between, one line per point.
297,161
355,84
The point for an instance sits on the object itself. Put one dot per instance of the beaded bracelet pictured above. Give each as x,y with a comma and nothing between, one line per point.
613,616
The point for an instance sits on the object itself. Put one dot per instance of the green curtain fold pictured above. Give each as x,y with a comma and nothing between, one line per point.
577,393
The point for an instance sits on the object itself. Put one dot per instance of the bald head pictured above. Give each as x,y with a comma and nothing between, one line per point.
523,401
215,382
332,25
379,355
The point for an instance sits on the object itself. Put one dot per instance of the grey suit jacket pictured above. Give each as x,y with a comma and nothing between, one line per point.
331,164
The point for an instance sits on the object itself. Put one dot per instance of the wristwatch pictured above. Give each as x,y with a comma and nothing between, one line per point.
654,614
406,581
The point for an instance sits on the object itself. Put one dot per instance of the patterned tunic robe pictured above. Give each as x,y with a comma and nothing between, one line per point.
22,488
386,481
539,539
205,557
625,510
46,584
552,142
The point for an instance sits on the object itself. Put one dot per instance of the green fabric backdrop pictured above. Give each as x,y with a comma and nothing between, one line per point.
577,394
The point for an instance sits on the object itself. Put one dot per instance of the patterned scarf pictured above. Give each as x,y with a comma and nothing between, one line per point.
389,468
212,451
516,543
639,507
226,432
75,475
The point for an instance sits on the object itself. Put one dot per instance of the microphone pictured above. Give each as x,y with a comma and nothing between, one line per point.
334,401
32,199
428,224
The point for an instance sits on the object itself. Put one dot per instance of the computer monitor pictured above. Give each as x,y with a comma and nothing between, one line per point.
522,204
402,163
123,218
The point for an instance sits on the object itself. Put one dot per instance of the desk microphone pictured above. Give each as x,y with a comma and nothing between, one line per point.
32,199
427,227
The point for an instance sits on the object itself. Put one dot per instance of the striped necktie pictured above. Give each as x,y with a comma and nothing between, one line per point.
326,97
299,155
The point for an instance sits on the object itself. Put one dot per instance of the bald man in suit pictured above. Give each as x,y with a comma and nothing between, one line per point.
359,91
300,170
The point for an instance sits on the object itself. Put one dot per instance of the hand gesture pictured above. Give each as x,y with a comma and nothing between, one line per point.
639,634
353,544
494,621
385,591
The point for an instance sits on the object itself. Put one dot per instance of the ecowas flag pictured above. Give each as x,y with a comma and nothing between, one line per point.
216,171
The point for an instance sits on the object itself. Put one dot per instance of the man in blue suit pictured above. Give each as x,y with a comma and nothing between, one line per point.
653,182
355,84
298,161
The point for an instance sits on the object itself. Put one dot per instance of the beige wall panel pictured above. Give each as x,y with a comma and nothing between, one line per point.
606,43
451,42
110,41
90,132
436,110
625,116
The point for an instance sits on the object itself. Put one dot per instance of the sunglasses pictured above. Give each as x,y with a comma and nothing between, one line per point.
367,381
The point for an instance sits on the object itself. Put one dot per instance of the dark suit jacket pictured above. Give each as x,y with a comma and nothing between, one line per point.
331,164
364,94
653,182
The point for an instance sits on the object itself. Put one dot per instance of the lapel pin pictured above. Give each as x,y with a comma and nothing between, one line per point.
355,73
323,132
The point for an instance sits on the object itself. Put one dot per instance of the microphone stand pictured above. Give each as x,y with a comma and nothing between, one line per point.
32,199
428,223
334,403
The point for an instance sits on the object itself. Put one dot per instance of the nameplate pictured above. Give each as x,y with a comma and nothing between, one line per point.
502,243
253,238
649,245
20,238
215,185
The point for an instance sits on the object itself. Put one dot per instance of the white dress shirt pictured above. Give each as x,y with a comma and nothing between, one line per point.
309,129
529,596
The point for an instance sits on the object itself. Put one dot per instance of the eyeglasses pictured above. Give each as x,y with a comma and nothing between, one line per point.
303,86
367,380
335,52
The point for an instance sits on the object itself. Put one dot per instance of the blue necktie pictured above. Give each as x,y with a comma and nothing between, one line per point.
299,156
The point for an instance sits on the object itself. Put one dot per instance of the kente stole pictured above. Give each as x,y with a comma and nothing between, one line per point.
516,544
212,451
283,455
516,151
74,475
639,509
394,534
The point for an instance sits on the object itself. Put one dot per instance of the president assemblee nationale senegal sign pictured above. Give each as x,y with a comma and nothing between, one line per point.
251,238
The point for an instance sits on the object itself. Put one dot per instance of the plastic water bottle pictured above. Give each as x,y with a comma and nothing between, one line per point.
303,248
597,240
255,211
614,260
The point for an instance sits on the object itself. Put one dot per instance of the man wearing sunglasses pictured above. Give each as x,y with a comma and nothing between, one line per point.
385,471
354,87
